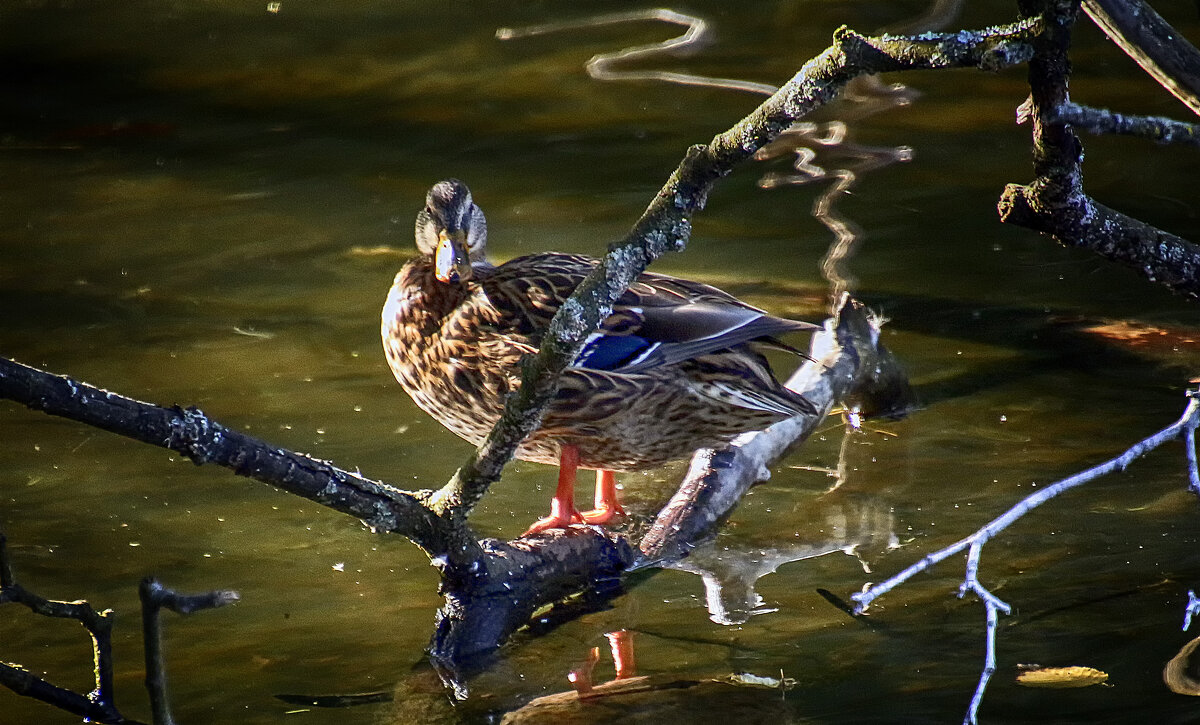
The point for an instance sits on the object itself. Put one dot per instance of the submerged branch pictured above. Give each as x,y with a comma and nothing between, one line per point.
975,542
154,597
99,705
1189,419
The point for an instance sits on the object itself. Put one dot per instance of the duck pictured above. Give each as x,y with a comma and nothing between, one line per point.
678,365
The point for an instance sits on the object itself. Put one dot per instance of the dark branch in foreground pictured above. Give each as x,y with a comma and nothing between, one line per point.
99,706
192,433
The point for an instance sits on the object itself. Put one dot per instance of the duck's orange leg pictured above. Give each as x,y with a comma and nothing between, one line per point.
607,506
621,644
580,676
562,506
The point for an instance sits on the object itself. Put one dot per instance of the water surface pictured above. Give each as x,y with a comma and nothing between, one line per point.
203,203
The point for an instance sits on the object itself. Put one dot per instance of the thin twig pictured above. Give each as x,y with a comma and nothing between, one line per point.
154,597
1190,449
1027,504
1193,608
1101,120
993,605
992,609
99,705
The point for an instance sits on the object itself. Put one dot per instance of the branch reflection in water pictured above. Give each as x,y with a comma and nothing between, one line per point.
730,571
600,66
843,161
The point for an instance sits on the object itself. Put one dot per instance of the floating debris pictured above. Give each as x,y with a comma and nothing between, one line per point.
1035,676
1177,672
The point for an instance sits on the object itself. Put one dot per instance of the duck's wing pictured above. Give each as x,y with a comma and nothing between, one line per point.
664,320
660,320
524,293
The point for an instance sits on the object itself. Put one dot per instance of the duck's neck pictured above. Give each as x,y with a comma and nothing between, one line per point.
419,300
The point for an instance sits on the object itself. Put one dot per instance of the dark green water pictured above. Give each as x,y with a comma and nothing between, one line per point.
192,200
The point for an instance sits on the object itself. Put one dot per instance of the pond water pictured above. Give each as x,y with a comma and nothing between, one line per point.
203,203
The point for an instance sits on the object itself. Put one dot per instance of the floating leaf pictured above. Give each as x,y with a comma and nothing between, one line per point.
1061,677
1176,673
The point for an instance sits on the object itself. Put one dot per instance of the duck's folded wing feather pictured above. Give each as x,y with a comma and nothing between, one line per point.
659,320
653,330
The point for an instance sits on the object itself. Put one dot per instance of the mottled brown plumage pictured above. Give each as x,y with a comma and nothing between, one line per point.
674,368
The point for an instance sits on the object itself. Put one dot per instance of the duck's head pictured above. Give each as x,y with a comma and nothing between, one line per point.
452,230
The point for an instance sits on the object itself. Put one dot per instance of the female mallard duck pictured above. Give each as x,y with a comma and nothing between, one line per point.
673,368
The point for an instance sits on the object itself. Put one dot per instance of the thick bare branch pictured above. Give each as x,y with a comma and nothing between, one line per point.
514,580
1077,220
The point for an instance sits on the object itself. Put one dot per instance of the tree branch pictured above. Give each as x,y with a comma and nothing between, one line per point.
192,433
666,223
849,363
1077,220
155,596
1055,203
1151,41
1101,120
100,705
975,542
